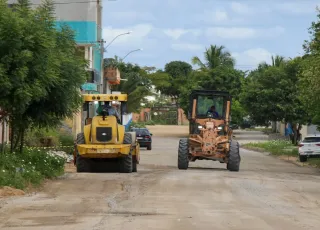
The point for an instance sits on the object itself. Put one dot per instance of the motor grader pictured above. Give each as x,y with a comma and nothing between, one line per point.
103,143
210,137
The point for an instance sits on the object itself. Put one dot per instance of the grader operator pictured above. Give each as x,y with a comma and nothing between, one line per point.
210,137
103,141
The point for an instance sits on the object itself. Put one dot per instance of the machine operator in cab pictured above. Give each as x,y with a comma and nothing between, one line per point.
111,110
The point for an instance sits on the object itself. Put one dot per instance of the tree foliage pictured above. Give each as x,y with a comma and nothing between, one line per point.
214,56
266,101
309,78
136,84
40,73
170,80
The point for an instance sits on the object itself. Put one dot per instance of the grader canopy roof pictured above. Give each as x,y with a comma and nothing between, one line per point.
206,99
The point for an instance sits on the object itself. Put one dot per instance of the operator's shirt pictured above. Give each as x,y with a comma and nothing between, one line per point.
112,111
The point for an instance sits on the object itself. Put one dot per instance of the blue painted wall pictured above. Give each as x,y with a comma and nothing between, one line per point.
86,31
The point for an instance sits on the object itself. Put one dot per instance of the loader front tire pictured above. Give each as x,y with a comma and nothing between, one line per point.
183,152
82,164
126,162
234,157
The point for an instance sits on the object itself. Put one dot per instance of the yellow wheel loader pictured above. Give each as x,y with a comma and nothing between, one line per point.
210,137
103,143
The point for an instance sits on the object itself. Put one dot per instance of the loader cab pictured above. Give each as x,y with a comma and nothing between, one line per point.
201,101
91,102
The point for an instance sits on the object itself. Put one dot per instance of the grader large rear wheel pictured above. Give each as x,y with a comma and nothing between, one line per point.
82,164
234,157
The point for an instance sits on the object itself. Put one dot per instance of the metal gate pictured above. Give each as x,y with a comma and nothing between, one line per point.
165,115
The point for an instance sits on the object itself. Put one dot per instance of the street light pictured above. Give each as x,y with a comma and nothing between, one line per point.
105,49
131,52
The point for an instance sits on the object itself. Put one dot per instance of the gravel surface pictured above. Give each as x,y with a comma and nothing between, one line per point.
267,193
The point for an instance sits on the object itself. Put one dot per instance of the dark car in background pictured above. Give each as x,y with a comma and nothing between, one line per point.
144,137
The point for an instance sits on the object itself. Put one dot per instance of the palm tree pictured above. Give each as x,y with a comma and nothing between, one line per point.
214,56
276,61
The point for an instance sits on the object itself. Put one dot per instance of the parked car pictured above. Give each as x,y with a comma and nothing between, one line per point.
144,137
309,147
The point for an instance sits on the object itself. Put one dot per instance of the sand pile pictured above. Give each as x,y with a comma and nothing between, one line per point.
8,191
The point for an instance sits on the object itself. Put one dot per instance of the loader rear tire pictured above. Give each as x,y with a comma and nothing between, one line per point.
234,157
83,164
126,162
183,152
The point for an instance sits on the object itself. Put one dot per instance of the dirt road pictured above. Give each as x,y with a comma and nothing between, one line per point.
266,194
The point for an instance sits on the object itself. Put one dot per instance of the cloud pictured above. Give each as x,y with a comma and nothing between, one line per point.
177,33
249,59
137,37
243,32
245,10
297,8
187,47
240,8
220,15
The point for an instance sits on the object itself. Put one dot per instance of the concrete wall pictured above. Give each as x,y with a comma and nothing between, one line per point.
309,130
182,119
71,10
305,130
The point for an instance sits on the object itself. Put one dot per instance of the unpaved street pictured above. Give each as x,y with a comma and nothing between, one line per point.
267,193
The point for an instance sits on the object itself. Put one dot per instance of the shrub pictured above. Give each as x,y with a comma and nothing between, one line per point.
30,167
34,137
150,123
66,140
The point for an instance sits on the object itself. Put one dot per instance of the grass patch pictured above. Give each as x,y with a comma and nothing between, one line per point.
277,147
314,162
29,168
281,148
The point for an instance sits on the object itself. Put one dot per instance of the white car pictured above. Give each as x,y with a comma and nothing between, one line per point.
309,147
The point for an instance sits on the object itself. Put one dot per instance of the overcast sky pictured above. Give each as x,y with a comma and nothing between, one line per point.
252,30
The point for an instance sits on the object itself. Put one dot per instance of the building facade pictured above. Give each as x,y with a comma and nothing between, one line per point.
85,18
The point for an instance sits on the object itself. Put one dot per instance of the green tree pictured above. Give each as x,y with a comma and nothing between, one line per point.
214,57
309,80
136,83
170,80
266,101
39,71
276,61
216,73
